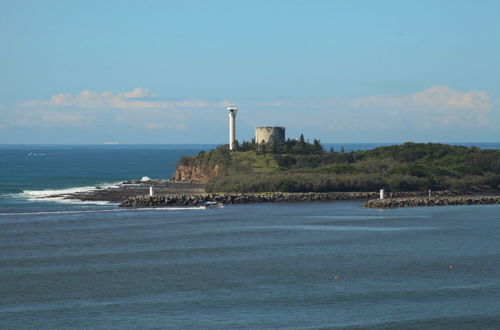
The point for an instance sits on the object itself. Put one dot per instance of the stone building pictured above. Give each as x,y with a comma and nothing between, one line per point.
274,134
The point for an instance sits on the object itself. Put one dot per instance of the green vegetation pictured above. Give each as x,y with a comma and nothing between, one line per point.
303,167
296,147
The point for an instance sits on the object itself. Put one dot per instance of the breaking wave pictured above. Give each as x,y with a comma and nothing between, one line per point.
61,195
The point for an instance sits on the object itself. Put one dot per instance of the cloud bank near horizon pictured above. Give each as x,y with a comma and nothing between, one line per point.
138,98
140,111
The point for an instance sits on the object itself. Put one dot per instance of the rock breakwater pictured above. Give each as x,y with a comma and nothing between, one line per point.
247,198
431,201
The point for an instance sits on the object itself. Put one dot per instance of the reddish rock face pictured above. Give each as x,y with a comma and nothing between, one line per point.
195,173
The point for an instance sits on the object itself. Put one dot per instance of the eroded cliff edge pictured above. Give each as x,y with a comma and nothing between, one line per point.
202,167
195,173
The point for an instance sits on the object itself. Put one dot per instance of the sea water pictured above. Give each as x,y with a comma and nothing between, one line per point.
298,266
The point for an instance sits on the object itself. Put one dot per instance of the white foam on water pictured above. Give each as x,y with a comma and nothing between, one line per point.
61,195
64,196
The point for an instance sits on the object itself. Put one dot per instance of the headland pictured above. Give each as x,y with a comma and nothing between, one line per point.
299,171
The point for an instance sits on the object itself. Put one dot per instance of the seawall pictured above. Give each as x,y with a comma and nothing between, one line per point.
247,198
431,201
193,200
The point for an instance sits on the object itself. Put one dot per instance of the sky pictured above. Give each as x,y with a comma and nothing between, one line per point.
92,72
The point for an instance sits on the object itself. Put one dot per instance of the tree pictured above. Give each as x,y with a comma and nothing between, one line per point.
274,148
317,146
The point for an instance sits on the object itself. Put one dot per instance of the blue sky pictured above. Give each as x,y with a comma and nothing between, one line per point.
163,71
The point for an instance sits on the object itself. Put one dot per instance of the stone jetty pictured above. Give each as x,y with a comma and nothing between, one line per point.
431,201
244,198
247,198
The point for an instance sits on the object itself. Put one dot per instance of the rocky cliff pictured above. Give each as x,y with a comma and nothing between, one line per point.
195,173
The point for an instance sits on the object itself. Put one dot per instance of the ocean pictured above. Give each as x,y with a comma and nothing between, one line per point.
325,265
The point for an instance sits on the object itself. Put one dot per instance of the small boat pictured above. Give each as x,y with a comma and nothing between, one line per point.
211,205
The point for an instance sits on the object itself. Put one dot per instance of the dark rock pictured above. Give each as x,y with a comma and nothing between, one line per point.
431,201
245,198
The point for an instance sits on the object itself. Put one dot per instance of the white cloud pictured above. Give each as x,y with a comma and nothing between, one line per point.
437,105
442,97
139,98
435,97
452,108
137,109
425,113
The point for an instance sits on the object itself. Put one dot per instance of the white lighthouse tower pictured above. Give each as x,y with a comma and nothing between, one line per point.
232,125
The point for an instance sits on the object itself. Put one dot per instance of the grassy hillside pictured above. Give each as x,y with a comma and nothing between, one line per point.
406,167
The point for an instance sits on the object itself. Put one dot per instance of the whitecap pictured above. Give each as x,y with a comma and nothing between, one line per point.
61,195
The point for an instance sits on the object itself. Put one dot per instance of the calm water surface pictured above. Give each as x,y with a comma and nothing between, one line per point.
252,266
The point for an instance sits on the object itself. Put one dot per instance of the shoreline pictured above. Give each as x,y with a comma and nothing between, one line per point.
258,198
127,189
170,193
